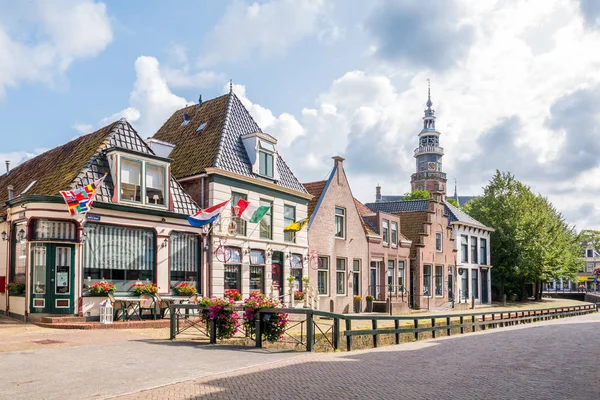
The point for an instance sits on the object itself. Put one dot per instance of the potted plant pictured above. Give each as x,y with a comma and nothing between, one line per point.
357,301
298,295
15,288
369,299
226,320
102,288
144,288
185,289
233,294
273,325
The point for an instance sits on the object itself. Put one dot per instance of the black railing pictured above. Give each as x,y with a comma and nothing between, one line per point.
324,327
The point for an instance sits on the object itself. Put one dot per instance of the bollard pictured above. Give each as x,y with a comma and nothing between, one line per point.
213,331
258,330
472,302
504,300
397,326
348,338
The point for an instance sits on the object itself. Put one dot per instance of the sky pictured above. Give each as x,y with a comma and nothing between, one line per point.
515,84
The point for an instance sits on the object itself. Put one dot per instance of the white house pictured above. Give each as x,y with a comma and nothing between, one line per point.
473,266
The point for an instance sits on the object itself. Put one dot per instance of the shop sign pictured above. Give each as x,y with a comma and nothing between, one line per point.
92,217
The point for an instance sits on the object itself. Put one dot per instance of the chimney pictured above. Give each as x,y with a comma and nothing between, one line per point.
378,193
199,101
337,160
7,167
11,192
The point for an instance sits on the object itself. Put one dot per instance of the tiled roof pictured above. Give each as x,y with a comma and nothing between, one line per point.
82,161
316,189
411,226
361,208
456,214
461,199
399,206
219,144
363,211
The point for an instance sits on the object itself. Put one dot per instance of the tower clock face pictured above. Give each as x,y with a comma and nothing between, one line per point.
431,165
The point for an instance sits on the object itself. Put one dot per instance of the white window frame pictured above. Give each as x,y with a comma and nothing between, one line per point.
343,218
143,189
326,270
394,232
385,232
441,241
344,279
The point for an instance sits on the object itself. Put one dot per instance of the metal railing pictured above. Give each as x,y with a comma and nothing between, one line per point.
384,292
428,149
315,330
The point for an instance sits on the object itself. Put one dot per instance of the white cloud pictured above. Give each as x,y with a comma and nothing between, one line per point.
39,40
151,101
178,74
285,127
266,28
522,60
17,157
83,128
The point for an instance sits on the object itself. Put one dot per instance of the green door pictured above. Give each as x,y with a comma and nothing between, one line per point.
52,278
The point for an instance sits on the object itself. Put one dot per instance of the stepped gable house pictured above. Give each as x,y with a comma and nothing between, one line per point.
220,154
135,232
337,239
388,258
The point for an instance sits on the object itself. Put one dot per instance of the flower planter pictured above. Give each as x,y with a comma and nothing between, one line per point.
15,292
357,307
369,305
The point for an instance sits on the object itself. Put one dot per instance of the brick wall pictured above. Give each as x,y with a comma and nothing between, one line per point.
322,239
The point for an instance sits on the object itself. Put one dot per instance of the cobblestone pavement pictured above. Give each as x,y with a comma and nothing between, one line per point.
546,360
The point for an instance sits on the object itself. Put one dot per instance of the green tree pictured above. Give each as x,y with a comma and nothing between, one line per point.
416,195
590,238
532,243
453,202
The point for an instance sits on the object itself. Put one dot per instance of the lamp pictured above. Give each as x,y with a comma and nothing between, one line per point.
164,243
269,252
3,235
21,235
305,257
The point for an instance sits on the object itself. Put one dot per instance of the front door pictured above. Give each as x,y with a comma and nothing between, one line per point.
356,283
484,286
373,280
52,278
411,293
450,287
277,271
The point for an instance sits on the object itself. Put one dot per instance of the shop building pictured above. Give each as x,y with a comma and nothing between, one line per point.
136,231
221,154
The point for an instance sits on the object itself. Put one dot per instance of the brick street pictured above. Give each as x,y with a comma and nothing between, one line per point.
553,359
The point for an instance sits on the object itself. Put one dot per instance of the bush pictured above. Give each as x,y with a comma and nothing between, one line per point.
274,326
226,320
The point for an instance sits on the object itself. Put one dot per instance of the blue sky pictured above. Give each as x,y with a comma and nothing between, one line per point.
514,83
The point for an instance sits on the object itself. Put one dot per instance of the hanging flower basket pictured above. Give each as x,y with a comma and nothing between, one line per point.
226,320
185,289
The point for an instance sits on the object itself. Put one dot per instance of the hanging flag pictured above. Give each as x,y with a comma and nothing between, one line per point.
80,200
250,211
296,226
208,215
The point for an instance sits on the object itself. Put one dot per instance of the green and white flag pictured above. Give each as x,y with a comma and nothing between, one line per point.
251,212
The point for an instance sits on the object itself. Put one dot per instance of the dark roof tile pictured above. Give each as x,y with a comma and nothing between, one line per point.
399,206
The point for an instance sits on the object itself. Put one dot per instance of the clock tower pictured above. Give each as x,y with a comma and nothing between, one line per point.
428,155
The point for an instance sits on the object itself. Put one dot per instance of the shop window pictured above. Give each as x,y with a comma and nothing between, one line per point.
185,259
257,271
233,268
118,254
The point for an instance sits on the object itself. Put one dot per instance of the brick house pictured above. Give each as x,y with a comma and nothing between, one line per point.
432,252
222,154
388,259
337,241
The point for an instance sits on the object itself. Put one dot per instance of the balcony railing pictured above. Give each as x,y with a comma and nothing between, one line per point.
429,149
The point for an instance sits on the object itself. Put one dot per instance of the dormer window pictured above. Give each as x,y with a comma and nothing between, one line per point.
265,158
143,182
262,153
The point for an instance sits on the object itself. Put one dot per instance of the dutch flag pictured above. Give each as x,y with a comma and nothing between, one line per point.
208,215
